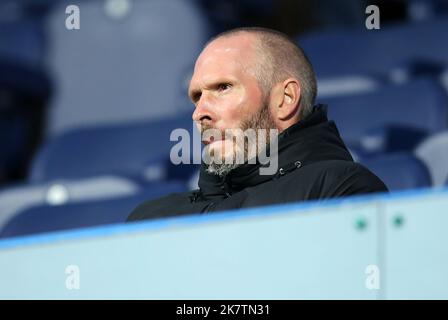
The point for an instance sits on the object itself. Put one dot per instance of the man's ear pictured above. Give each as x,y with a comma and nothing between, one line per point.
288,99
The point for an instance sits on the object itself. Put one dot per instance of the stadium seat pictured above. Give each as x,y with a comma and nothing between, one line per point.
22,42
368,120
389,138
139,149
347,85
426,9
45,218
434,153
399,171
444,79
129,61
337,53
101,162
20,197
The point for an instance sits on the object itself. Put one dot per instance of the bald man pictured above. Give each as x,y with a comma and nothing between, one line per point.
257,80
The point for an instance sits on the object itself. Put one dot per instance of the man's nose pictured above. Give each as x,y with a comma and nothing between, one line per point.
202,111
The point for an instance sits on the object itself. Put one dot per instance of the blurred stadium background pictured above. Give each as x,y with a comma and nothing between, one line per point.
85,115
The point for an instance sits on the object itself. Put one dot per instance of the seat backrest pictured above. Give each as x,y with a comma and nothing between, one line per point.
399,171
434,153
45,218
376,52
17,198
110,149
125,63
421,104
21,42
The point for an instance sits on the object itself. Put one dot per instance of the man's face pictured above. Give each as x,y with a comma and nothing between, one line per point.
226,93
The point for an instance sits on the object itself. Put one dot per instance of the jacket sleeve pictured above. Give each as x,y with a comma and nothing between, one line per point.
172,205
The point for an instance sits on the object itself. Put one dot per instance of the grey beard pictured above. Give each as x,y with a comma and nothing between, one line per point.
221,169
262,120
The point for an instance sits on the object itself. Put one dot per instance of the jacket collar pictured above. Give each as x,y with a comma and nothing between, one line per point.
310,140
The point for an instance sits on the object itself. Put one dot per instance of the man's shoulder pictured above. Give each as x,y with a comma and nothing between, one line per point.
342,177
354,178
336,167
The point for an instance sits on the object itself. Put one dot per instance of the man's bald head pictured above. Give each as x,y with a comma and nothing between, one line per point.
277,58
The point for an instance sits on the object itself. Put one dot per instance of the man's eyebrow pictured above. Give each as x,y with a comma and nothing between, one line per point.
195,92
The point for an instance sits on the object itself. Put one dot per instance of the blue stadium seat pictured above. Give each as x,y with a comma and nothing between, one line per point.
426,9
20,197
444,79
399,171
367,120
22,42
129,61
388,138
134,150
45,218
101,162
347,85
434,153
376,52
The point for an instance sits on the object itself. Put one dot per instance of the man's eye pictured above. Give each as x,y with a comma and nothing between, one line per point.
197,97
224,86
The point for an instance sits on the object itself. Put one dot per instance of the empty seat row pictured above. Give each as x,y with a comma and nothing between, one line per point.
392,117
337,52
399,171
82,213
138,149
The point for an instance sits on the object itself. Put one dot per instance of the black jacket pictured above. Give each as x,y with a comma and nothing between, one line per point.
313,163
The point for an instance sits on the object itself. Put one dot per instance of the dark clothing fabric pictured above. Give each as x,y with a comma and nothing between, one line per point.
313,164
